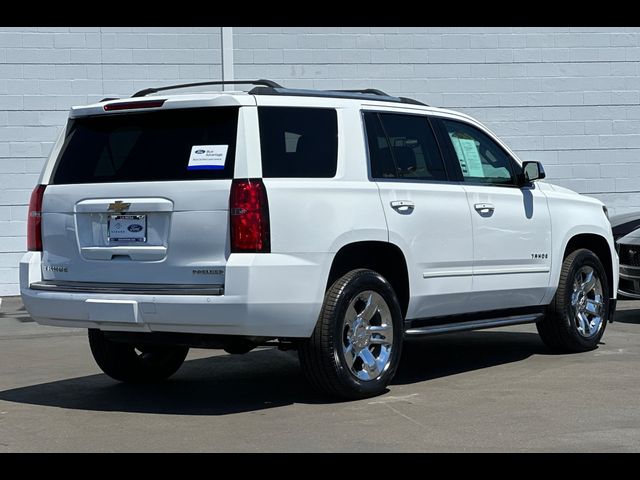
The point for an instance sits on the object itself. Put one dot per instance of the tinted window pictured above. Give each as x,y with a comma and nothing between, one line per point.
298,142
403,146
152,146
481,159
382,164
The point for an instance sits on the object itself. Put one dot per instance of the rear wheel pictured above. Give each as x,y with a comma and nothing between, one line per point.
579,312
135,364
355,348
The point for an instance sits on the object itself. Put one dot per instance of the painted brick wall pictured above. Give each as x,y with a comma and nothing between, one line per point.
566,96
44,71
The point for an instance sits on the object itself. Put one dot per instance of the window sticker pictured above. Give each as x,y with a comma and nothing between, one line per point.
468,156
207,157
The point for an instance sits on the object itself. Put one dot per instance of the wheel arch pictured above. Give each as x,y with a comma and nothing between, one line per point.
383,257
600,247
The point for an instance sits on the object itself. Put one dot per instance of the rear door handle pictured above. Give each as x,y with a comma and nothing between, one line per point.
402,206
484,207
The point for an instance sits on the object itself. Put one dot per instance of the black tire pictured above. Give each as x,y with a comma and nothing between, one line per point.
559,330
122,362
323,357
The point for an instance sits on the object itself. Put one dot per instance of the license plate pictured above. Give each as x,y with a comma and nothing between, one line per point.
127,228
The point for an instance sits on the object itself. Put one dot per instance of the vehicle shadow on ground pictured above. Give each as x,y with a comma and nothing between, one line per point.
627,316
268,378
15,311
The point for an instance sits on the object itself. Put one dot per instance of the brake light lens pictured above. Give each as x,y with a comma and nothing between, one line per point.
34,221
249,211
110,107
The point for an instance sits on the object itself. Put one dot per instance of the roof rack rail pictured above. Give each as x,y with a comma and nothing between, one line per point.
412,101
372,91
375,91
267,83
366,94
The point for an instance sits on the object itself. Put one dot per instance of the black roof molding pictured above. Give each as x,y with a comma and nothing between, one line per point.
147,91
269,87
366,94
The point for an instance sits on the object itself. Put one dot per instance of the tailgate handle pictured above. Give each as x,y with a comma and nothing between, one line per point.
146,205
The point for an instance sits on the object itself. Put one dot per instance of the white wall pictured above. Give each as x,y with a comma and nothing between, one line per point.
566,96
44,71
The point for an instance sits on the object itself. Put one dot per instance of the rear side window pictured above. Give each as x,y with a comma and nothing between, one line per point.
403,146
184,144
298,142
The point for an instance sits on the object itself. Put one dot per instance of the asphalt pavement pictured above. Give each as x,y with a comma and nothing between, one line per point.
489,391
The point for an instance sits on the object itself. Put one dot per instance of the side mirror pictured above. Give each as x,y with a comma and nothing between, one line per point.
532,171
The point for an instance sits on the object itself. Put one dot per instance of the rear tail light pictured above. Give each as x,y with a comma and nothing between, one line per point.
34,221
249,211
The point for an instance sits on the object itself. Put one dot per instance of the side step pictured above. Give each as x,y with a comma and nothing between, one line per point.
474,325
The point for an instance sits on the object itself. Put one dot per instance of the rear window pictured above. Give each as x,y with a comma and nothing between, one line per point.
298,142
184,144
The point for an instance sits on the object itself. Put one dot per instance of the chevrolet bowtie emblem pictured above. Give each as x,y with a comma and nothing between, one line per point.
118,206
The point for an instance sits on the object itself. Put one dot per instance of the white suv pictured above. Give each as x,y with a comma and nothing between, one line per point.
336,223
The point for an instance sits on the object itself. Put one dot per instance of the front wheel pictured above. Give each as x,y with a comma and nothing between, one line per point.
355,348
135,364
578,314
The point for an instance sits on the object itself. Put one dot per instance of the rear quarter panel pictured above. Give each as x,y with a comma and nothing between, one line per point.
318,216
321,215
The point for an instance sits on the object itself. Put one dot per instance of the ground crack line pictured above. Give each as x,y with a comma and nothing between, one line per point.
407,417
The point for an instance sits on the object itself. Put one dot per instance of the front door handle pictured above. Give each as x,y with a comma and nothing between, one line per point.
402,206
484,207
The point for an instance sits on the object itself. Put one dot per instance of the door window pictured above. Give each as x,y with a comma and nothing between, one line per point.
481,159
403,147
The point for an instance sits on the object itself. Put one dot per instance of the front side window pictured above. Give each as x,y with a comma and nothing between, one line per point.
403,146
298,142
481,159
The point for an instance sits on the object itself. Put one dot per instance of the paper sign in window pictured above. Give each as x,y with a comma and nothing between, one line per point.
468,156
207,157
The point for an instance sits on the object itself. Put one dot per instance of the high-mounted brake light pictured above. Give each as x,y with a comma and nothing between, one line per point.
110,107
249,209
34,221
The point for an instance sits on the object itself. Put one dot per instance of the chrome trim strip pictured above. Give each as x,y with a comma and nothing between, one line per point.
505,271
630,295
475,325
447,273
484,271
629,267
630,277
135,252
127,288
141,204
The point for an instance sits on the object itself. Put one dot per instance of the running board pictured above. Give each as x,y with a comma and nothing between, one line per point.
474,325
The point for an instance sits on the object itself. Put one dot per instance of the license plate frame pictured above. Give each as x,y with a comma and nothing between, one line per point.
122,228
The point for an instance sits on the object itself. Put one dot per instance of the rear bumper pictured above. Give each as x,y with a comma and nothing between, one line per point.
271,295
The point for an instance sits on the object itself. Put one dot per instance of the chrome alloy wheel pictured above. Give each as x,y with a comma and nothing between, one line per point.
367,336
587,302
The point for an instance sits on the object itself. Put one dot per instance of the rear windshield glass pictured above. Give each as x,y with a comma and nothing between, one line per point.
298,142
185,144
